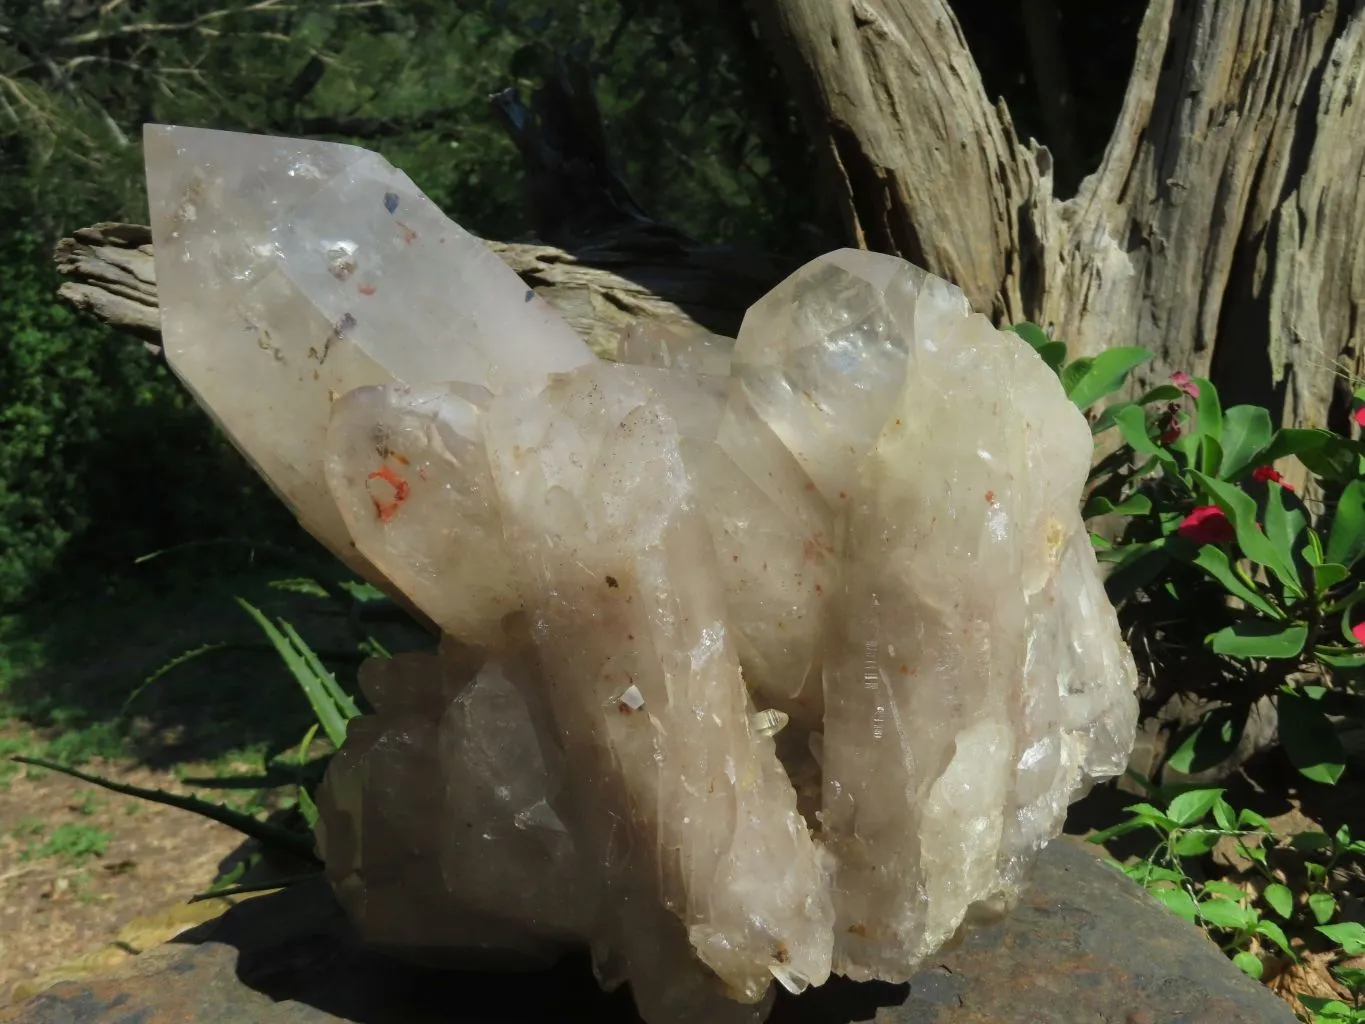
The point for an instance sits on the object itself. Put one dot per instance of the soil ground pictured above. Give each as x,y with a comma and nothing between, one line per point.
84,872
77,866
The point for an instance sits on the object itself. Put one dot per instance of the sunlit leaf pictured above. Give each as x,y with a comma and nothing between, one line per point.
1103,375
1280,898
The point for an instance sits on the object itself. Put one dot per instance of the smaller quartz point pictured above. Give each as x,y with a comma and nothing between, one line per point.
822,357
455,873
672,348
408,469
763,659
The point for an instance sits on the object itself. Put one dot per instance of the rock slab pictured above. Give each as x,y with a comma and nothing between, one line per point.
1085,946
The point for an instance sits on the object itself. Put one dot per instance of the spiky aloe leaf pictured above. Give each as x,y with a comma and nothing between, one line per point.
264,832
241,890
315,686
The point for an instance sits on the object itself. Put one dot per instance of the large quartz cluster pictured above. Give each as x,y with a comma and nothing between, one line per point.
765,658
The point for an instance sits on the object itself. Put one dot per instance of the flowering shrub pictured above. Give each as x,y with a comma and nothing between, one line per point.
1223,573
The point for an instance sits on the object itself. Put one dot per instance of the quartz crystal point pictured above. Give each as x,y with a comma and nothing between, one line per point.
290,272
764,659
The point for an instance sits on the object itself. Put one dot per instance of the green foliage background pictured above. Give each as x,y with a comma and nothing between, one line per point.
102,456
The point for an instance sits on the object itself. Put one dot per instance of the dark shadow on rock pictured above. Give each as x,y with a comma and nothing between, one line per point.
838,1001
1084,944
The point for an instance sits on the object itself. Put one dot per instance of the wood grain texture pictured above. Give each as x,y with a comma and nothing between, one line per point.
1222,229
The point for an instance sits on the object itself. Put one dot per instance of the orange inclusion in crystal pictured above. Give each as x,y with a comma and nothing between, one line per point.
386,510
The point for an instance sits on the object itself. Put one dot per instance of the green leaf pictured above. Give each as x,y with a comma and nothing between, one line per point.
1146,873
1132,423
1224,816
307,808
1240,509
1208,424
1161,393
1195,843
1178,900
1210,742
1225,889
1052,352
1121,829
1350,936
1314,553
1285,523
1246,431
1280,898
1352,977
1107,417
1328,1011
1193,805
340,698
1136,504
1296,441
1322,905
1214,561
1309,738
1346,541
1146,812
1104,375
1310,842
1223,913
1249,819
1031,332
1276,934
1250,964
1073,372
1327,574
1254,638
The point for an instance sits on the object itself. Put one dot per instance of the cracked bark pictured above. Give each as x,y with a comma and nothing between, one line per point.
1224,229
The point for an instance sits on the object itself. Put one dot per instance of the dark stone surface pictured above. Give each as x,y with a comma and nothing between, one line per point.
1085,946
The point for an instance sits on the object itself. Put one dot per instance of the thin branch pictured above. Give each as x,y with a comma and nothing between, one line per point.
198,24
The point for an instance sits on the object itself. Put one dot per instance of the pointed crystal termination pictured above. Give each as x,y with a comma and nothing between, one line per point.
290,272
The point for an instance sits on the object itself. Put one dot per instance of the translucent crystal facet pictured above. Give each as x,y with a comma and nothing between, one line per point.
763,659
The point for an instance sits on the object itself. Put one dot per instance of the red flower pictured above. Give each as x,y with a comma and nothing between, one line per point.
1270,475
1185,383
1206,525
1359,416
1358,631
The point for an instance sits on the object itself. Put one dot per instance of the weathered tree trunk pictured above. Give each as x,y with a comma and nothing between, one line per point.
1224,229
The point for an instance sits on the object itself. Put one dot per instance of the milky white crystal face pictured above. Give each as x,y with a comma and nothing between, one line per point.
643,680
290,272
765,659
